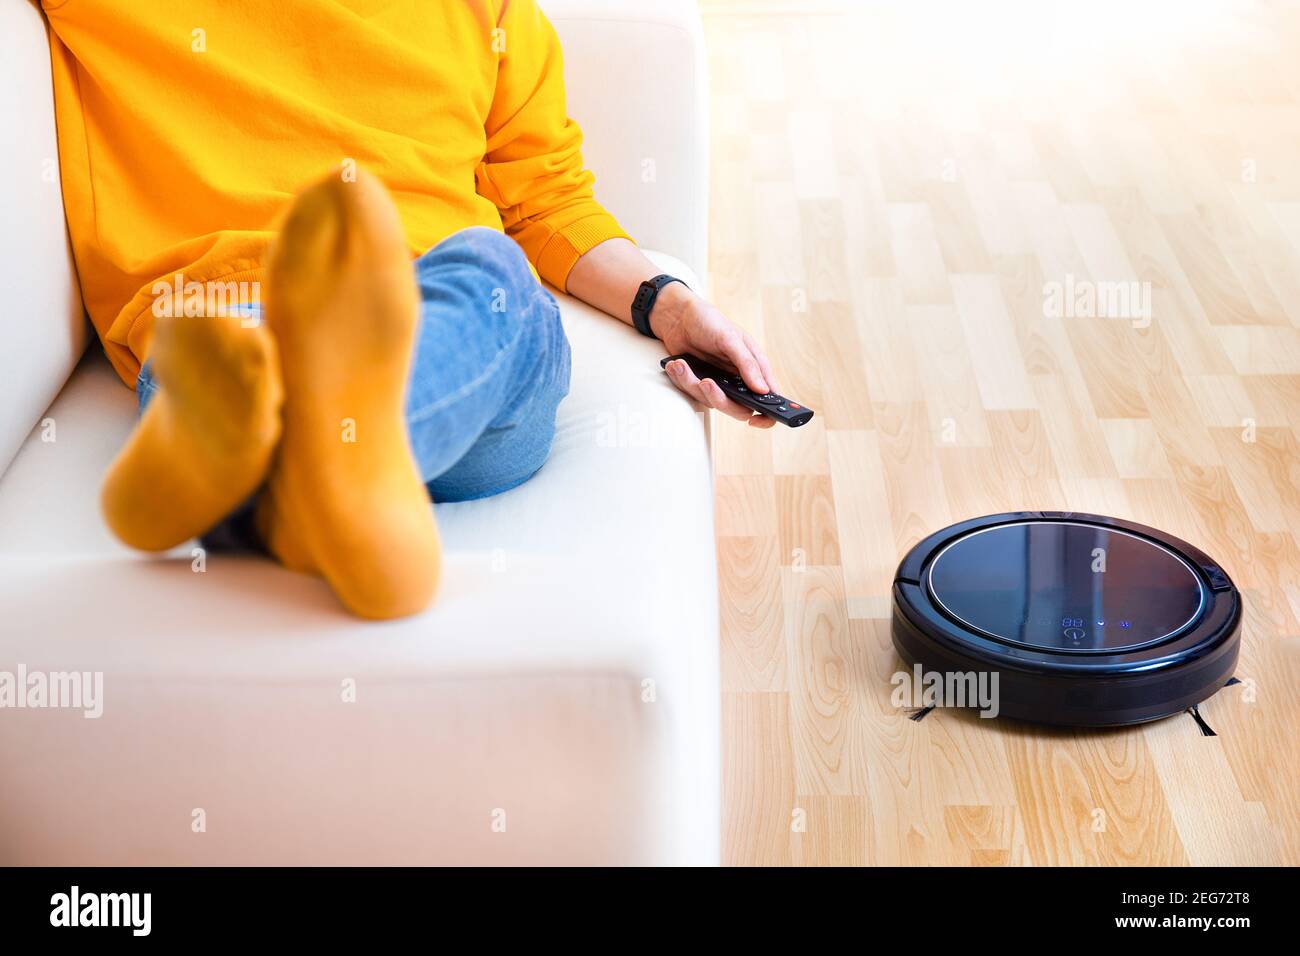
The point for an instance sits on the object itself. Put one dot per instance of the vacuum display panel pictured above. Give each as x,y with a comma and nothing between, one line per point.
1069,587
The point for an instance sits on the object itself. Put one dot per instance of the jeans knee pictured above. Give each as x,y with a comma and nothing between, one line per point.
485,276
496,258
494,245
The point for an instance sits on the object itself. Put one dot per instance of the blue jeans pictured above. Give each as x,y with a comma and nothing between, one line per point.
491,365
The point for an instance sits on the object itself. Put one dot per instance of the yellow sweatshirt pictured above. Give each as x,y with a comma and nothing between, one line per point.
186,128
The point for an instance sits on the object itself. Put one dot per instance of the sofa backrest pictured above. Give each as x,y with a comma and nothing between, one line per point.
636,81
42,323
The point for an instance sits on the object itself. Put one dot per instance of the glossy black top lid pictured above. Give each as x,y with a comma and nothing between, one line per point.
1066,586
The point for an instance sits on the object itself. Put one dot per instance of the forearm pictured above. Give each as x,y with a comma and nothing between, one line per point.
607,277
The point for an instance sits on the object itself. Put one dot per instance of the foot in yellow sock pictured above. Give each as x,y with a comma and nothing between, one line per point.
205,441
344,498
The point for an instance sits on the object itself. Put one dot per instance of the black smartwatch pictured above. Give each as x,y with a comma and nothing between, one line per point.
644,301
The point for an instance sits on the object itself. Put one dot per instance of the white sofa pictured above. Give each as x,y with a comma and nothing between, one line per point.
558,704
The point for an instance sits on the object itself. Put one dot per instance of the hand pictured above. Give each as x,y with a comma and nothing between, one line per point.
685,323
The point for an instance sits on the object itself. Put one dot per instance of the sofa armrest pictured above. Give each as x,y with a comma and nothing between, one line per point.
637,84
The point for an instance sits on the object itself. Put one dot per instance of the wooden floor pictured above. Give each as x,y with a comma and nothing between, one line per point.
893,195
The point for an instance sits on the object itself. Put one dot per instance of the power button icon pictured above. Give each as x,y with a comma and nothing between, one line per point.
1074,633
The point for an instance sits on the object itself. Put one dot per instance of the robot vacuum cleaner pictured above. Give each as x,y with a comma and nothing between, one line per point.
1085,620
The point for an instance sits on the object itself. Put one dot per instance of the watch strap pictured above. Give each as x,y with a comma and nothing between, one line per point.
643,302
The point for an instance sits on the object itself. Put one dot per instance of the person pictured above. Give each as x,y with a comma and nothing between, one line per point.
302,386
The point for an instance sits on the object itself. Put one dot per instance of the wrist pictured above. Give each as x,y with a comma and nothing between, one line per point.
671,307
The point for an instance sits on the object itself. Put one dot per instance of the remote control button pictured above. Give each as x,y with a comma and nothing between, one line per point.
782,408
770,399
795,405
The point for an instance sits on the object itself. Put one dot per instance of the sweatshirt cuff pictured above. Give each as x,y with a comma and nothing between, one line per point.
570,243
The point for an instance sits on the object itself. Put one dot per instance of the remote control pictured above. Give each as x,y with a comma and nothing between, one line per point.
733,386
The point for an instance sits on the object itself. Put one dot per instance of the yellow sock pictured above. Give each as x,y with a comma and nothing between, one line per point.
344,498
204,443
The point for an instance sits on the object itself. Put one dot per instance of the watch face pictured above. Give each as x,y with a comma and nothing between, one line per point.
1069,587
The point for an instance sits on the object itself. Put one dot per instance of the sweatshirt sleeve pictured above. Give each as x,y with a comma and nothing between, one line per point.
532,170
